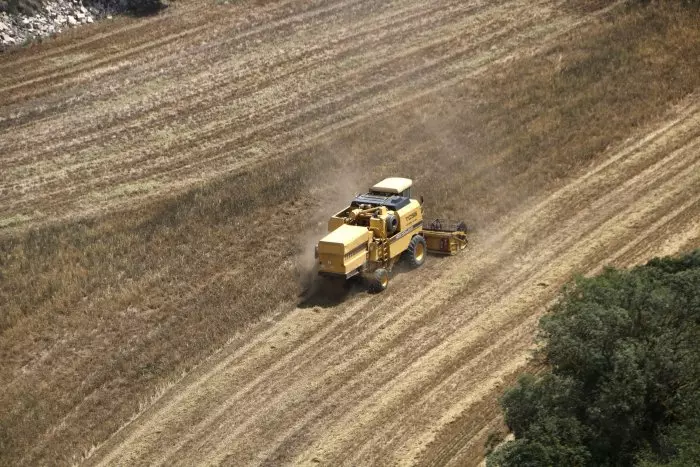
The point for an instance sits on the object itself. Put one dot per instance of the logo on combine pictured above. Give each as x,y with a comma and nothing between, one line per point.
405,232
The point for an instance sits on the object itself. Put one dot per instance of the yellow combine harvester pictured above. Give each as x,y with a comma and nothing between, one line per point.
381,227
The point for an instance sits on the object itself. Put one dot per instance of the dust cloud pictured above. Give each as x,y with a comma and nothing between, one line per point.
333,191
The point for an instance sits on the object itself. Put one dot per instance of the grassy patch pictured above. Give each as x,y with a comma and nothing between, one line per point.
13,220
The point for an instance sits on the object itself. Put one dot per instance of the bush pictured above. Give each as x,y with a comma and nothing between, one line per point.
26,7
624,386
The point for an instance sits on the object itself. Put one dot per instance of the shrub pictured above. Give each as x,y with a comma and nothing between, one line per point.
624,386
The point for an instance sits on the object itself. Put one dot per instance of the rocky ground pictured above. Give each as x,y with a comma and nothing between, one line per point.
24,21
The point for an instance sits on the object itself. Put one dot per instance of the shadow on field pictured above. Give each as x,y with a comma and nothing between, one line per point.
327,293
144,8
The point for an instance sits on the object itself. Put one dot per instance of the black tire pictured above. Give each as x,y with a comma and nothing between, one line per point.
378,281
392,224
416,251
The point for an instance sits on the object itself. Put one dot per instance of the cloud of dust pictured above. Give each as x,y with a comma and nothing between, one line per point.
333,191
440,143
463,176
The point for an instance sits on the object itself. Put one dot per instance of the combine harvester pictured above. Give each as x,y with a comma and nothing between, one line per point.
378,229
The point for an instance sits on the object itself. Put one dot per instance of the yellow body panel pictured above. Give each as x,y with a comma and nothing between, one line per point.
346,236
344,249
410,224
409,215
348,247
335,222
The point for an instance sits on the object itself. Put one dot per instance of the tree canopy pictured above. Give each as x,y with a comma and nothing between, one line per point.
624,353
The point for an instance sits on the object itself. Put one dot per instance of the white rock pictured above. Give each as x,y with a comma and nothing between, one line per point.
72,21
89,20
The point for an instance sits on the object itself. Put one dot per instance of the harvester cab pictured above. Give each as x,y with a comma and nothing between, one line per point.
378,229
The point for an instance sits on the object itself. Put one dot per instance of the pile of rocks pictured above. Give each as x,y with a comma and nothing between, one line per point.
52,17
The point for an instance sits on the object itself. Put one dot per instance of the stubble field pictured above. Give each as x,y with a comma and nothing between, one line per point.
163,178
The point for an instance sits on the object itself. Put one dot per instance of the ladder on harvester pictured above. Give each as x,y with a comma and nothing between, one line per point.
384,244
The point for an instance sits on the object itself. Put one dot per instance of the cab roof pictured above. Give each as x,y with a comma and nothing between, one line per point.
392,185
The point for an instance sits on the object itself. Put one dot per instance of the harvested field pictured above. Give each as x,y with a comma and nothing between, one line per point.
163,179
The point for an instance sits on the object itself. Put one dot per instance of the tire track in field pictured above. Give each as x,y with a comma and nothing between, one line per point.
131,44
654,203
222,37
396,26
359,415
459,444
182,181
207,135
369,402
233,94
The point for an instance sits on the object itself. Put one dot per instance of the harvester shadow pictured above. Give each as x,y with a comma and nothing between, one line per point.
328,293
146,8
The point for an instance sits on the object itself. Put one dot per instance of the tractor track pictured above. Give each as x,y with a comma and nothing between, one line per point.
387,377
397,27
171,153
214,128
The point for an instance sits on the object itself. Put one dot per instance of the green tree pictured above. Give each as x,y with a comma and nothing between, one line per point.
624,349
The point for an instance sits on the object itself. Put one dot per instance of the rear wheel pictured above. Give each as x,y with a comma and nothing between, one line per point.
415,253
379,280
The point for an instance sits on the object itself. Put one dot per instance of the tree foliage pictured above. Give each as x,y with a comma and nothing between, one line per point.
624,349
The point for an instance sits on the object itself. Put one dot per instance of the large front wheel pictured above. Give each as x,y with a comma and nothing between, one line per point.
415,253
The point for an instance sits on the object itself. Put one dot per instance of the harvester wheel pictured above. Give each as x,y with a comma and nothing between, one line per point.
415,253
379,281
